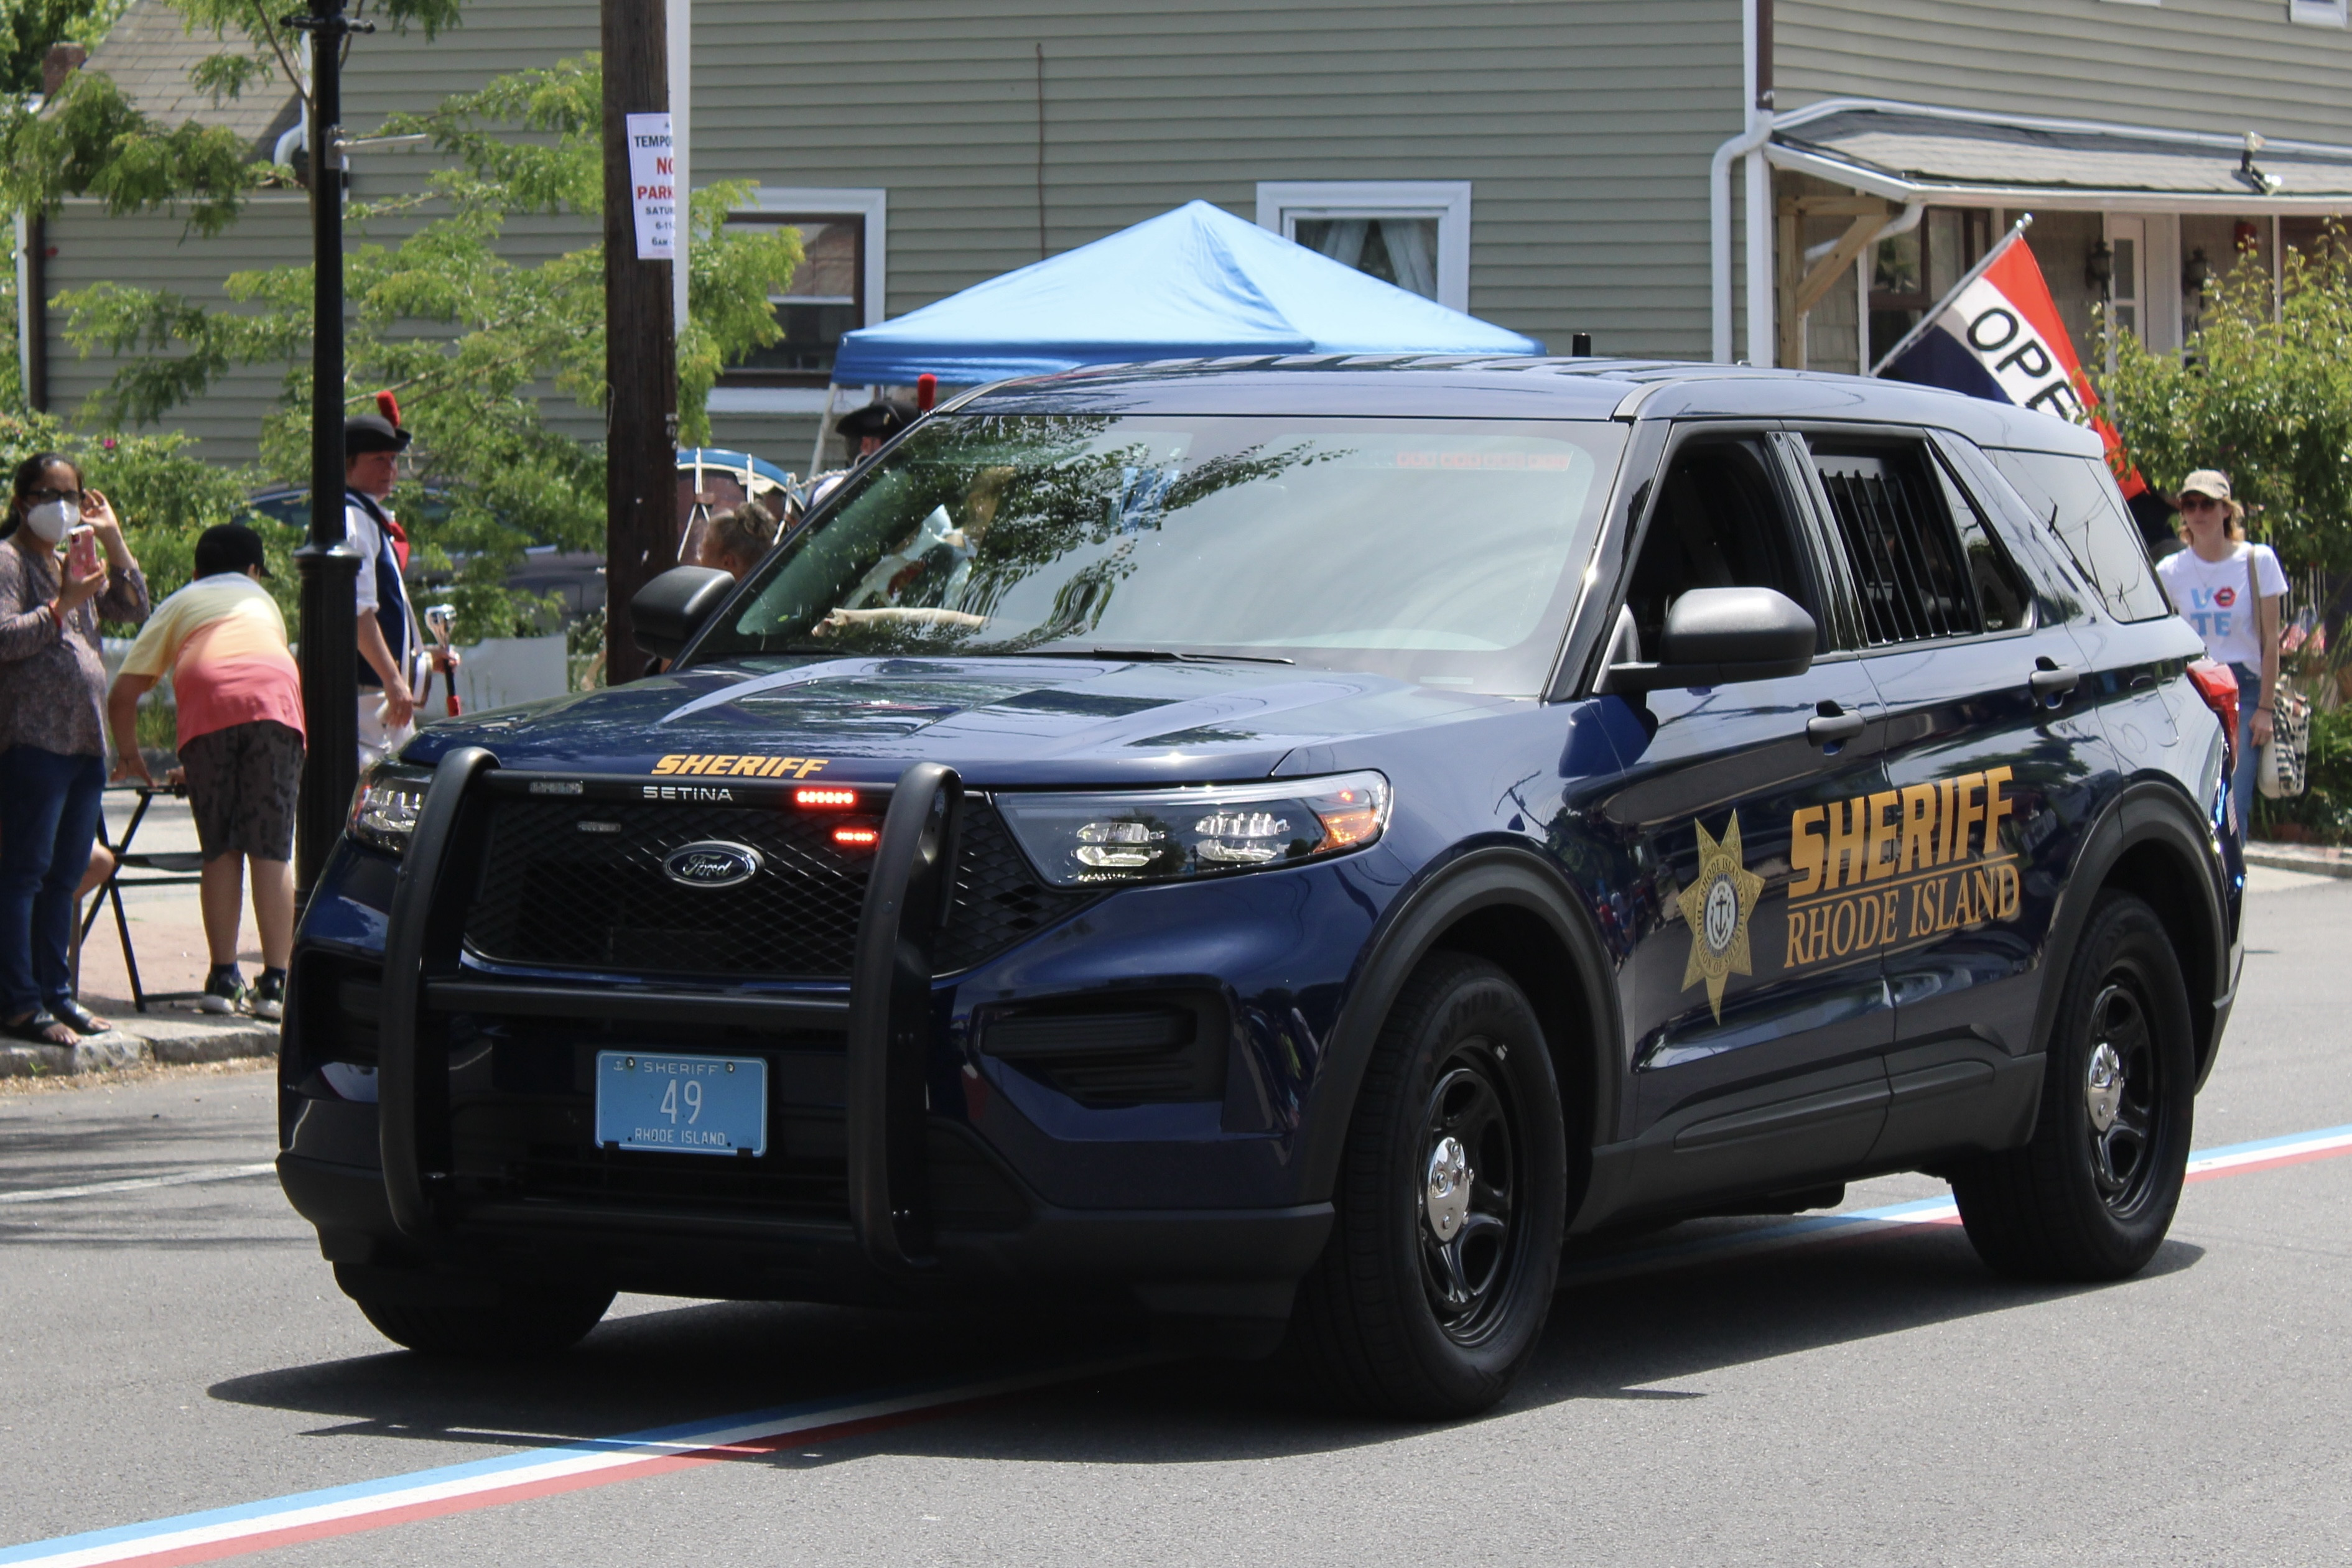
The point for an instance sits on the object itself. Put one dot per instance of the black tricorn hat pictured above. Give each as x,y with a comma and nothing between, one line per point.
884,419
372,433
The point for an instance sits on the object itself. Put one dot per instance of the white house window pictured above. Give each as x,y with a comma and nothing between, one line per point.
2316,13
1414,233
838,288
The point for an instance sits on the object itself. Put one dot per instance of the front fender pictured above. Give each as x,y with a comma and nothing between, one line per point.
1480,879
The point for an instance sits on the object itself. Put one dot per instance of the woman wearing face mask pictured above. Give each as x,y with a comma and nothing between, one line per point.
52,745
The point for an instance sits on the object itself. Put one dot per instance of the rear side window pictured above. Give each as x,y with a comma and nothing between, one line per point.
1924,564
2077,498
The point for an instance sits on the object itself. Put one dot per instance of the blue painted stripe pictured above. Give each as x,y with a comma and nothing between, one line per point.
2228,1150
685,1435
690,1434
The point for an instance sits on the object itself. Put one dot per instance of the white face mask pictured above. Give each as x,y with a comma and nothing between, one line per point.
52,520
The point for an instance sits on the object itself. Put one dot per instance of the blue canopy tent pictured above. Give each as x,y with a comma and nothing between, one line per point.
1196,283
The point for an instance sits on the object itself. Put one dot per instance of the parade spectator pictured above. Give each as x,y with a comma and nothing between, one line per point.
867,429
389,644
52,744
239,699
2229,590
734,540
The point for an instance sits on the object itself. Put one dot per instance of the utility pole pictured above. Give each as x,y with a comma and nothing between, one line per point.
328,567
640,351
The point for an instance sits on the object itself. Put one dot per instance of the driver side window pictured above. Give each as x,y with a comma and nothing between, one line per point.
1720,519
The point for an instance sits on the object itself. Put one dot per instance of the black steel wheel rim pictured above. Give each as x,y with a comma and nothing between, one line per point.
1466,1179
2122,1090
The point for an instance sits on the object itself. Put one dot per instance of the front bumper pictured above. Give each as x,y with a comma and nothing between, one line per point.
914,1203
1224,1264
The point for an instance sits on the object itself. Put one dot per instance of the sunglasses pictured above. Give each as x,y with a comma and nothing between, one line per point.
2200,504
41,497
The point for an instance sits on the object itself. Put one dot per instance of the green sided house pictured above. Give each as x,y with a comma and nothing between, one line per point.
1777,180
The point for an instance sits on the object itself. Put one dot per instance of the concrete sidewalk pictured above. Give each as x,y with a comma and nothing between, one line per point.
167,931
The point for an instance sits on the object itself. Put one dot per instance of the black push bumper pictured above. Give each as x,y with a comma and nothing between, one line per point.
411,1215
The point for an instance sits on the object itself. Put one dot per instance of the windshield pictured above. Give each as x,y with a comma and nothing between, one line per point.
1438,551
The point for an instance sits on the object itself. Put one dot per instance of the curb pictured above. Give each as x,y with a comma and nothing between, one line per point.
2312,862
156,1038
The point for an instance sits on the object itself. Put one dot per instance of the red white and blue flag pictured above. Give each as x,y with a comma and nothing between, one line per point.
1998,336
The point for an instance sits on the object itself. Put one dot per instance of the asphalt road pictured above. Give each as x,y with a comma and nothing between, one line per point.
1875,1399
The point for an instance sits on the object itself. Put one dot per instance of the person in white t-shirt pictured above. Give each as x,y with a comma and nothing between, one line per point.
2229,592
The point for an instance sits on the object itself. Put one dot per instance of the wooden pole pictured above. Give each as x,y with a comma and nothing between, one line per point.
640,349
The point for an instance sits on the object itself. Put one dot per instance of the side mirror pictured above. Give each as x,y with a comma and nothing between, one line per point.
1718,636
668,612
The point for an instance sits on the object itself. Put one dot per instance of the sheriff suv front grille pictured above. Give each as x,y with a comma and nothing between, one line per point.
569,883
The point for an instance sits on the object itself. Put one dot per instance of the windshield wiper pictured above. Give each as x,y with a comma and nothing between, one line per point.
1165,655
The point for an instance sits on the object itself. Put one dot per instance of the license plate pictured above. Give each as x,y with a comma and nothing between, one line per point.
681,1105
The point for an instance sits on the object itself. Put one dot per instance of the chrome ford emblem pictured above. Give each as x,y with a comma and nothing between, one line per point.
713,863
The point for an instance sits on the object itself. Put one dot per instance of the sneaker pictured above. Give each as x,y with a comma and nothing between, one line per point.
223,992
267,998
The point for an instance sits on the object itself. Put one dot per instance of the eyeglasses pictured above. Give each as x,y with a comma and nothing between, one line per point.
2200,504
38,497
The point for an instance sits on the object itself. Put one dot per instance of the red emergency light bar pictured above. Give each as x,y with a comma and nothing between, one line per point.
822,796
857,838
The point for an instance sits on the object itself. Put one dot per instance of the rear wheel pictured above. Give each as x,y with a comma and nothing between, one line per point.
512,1320
2092,1196
1434,1287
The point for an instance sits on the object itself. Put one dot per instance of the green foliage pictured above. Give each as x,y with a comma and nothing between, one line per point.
2323,810
164,493
2264,395
27,29
90,141
463,336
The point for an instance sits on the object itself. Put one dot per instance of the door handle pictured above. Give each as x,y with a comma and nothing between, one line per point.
1833,725
2051,679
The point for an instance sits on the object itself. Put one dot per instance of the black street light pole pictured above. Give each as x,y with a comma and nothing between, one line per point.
328,568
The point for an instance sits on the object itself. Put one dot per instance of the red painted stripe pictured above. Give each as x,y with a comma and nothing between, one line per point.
2302,1157
640,1470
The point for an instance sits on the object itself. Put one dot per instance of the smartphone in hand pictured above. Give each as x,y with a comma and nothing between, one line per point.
82,552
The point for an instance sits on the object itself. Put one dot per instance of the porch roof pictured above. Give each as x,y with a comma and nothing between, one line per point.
1914,152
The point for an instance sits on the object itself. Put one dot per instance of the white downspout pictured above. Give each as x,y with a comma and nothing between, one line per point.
1747,144
1719,231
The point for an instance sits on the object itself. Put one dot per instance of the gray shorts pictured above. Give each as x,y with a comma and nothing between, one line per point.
242,783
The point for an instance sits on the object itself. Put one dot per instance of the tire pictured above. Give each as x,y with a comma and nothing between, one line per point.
516,1322
2092,1195
1432,1291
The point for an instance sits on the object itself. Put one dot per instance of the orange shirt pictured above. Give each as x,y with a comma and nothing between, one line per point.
224,641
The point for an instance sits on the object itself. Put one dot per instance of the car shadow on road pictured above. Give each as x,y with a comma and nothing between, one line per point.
1614,1340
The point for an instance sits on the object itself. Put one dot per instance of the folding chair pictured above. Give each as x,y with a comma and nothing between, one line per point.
164,868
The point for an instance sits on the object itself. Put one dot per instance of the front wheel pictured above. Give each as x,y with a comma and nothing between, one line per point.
1434,1289
2092,1196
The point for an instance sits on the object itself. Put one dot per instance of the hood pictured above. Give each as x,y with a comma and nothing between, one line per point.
997,721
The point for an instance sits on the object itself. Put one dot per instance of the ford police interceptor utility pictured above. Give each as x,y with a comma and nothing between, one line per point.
1284,845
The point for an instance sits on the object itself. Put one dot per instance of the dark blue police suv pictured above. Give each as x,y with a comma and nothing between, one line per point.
1285,845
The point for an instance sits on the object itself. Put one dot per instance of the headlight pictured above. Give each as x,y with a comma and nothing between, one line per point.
1159,835
385,807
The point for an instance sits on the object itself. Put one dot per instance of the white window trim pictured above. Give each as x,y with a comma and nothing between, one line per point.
818,201
1282,203
2317,13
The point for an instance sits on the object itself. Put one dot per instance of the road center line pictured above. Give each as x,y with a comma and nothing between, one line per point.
195,1177
542,1472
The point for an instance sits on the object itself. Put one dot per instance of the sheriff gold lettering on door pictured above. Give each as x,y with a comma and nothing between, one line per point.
1899,866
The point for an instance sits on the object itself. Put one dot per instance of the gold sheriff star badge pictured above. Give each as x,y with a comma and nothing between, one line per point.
1716,907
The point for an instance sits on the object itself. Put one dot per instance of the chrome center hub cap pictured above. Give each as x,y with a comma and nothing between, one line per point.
1445,1194
2103,1086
